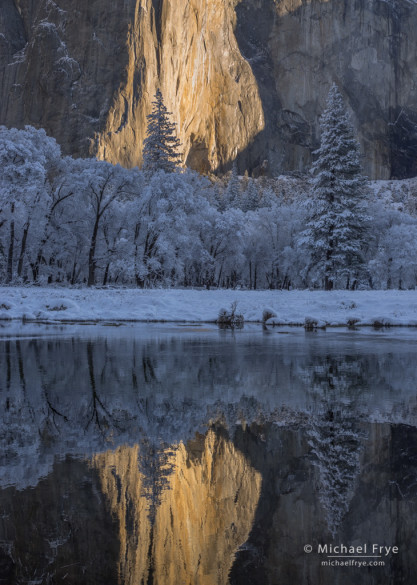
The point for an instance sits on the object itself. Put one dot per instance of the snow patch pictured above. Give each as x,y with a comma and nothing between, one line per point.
318,308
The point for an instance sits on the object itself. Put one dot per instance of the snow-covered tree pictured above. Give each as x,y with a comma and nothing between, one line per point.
395,263
250,198
170,214
76,221
160,151
104,184
27,159
336,232
232,194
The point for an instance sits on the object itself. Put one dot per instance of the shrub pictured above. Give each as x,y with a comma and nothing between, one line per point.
230,318
268,314
311,324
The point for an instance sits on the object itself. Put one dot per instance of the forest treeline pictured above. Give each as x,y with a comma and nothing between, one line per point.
85,221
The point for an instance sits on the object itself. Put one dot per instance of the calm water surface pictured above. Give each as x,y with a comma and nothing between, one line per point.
173,455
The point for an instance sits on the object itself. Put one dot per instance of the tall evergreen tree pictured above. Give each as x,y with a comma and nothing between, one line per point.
161,145
233,194
336,231
250,197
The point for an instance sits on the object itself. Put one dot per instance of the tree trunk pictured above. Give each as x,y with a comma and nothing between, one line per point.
39,256
22,250
328,283
40,259
91,255
11,247
73,273
220,275
106,274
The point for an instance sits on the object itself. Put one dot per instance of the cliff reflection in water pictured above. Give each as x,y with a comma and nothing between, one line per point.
146,456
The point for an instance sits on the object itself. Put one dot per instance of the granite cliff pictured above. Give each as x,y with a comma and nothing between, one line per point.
245,80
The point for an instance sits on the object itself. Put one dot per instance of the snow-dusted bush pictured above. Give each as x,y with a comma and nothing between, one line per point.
230,318
268,314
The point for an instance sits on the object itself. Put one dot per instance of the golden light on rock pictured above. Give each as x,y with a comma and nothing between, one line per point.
189,50
204,515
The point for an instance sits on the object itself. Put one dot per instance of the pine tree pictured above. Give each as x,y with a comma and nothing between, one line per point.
161,145
232,194
337,230
251,197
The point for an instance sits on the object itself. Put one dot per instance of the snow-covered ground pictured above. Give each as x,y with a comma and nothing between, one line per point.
336,308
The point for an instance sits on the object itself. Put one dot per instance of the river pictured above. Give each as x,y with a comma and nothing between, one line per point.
189,455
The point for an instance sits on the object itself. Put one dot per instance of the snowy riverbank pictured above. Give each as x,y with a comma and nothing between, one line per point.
336,308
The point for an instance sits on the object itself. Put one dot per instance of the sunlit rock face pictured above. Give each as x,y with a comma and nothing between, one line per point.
203,513
245,79
89,71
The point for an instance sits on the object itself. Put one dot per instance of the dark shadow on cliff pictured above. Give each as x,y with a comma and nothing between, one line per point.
268,153
253,44
281,471
72,67
12,37
384,497
60,531
290,134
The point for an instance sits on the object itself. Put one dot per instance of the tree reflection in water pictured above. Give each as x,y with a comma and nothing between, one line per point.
336,444
285,428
